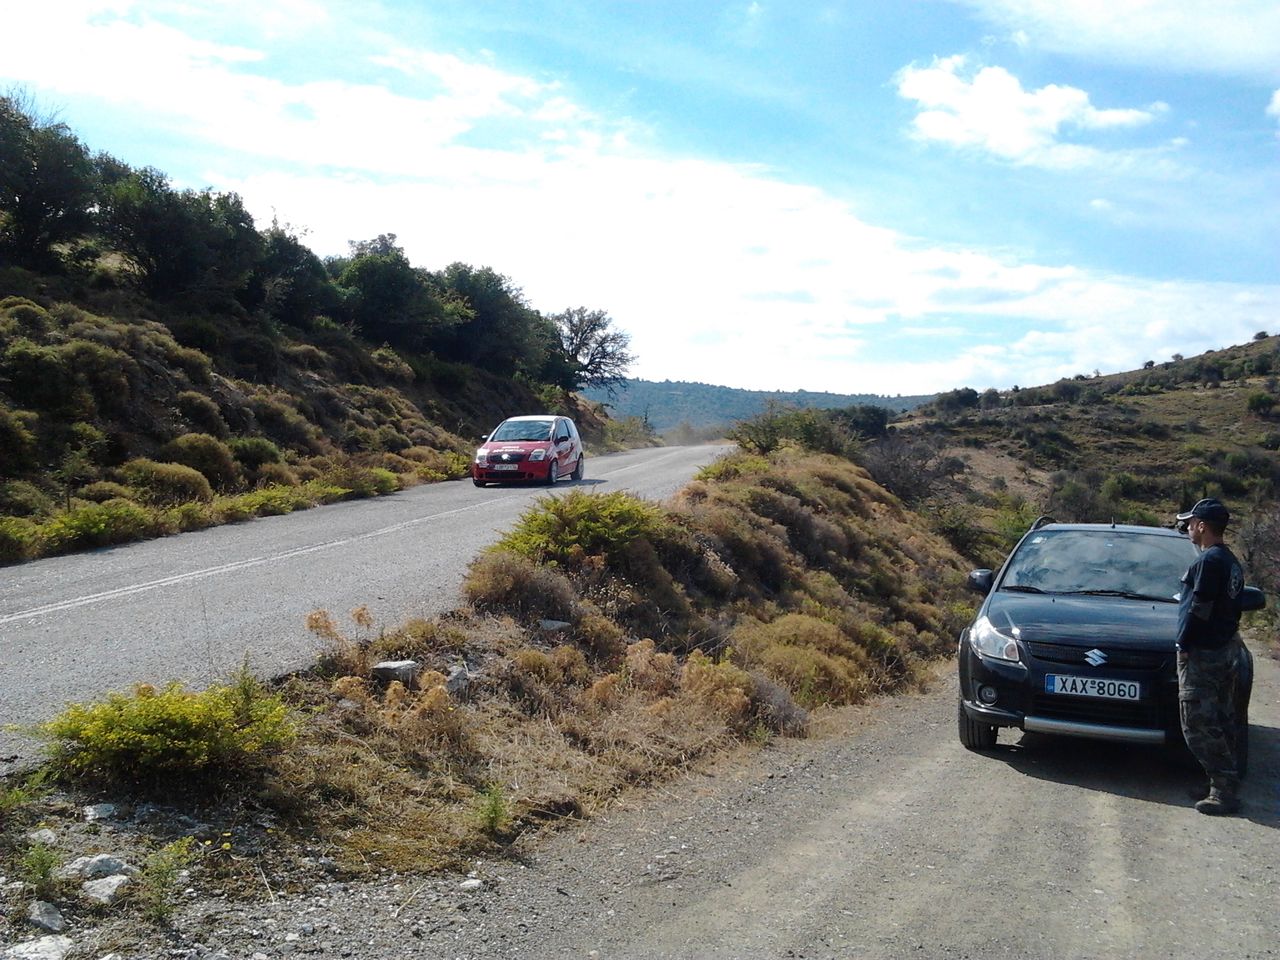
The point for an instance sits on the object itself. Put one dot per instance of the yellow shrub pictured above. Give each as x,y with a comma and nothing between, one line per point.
170,733
646,669
724,688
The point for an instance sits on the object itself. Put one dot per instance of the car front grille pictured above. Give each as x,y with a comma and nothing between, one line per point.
514,457
1115,713
1116,659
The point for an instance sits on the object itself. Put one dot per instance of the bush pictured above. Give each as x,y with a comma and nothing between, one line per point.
205,453
813,658
154,737
18,498
816,430
568,528
363,481
722,687
98,525
253,452
165,483
37,376
105,370
17,441
104,490
732,466
502,581
391,363
276,474
200,411
17,539
1261,403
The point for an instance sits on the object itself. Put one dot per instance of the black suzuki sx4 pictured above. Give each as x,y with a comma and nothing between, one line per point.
1076,636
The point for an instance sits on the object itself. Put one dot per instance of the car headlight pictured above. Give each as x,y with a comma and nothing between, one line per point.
482,456
539,454
990,642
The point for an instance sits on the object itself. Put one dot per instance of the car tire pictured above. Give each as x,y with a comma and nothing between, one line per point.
974,734
478,483
553,473
579,470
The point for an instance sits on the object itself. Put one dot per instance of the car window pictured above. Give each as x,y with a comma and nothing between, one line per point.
1074,561
512,431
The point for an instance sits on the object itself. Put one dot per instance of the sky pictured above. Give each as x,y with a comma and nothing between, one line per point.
856,196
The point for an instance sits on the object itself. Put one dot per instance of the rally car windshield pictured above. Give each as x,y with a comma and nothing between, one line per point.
515,431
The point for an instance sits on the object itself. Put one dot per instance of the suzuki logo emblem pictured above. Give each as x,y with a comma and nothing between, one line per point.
1095,658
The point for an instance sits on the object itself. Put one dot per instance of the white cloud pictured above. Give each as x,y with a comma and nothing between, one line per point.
1273,108
988,108
1233,37
700,261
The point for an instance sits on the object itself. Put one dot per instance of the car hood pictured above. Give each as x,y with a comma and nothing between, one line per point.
1084,620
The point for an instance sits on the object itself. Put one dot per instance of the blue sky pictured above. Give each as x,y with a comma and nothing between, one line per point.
848,196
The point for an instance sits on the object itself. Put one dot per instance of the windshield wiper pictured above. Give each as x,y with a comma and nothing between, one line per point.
1127,594
1021,588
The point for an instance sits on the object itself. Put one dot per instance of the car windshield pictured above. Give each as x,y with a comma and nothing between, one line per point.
1105,561
515,430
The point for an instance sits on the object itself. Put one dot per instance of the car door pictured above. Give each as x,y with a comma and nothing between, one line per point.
563,443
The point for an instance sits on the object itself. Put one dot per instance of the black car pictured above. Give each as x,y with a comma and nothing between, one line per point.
1076,637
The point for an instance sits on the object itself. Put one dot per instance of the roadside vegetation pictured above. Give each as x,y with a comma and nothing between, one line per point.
166,365
606,644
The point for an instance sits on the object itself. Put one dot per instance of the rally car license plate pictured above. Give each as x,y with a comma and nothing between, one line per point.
505,466
1092,687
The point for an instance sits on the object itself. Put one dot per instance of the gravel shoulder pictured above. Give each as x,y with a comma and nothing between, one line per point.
881,837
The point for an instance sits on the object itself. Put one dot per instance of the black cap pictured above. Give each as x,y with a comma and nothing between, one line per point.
1211,509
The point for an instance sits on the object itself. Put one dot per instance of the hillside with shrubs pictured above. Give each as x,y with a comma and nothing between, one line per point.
1132,447
166,365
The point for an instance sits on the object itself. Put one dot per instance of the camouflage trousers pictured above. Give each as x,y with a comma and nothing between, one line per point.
1206,702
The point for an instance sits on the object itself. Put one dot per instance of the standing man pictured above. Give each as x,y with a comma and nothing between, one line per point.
1209,652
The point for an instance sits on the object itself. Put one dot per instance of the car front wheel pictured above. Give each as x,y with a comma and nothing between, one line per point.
974,734
553,473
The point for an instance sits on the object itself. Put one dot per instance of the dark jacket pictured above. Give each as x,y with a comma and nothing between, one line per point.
1209,609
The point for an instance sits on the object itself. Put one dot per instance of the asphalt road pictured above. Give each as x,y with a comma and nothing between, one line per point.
193,606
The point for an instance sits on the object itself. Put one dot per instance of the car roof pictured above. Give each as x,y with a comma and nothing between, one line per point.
534,416
1119,527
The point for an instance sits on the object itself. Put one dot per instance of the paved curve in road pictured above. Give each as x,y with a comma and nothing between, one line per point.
191,607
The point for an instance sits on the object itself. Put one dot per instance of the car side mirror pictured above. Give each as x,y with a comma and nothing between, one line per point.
1252,599
980,581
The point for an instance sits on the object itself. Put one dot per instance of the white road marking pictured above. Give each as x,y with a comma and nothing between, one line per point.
271,558
224,568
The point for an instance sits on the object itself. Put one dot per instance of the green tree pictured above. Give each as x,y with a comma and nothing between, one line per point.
595,350
289,282
387,298
498,329
179,241
46,184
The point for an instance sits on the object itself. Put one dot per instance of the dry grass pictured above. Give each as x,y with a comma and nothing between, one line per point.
751,599
748,600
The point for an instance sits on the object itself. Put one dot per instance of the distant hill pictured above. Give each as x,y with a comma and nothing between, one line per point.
702,406
1132,446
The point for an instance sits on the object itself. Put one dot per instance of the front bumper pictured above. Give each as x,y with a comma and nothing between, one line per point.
1020,702
525,472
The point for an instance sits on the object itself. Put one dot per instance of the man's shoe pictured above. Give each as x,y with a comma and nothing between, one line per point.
1218,804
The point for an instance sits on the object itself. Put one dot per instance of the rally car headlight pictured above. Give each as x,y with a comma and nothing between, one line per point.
990,642
482,456
539,454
